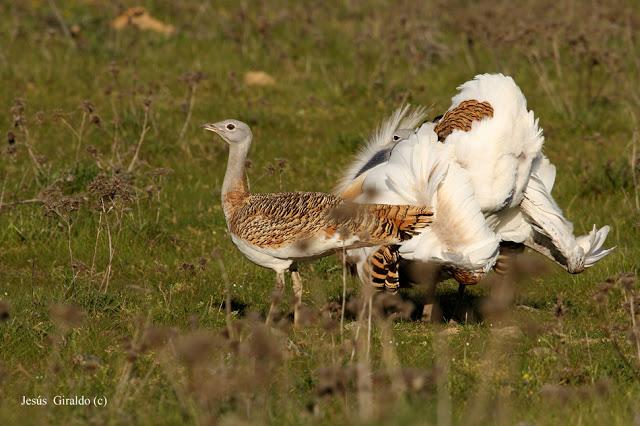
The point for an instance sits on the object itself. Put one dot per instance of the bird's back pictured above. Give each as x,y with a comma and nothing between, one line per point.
275,219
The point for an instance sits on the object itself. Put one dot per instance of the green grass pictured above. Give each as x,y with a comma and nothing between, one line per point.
340,68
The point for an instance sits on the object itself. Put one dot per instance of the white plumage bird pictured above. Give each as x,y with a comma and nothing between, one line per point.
497,188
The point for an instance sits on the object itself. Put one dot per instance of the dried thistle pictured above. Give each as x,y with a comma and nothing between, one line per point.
39,117
196,347
262,345
601,295
303,244
419,381
17,111
109,189
192,78
95,120
344,232
307,316
67,316
282,164
334,380
328,323
627,280
371,193
156,337
188,267
87,107
87,362
354,305
392,306
58,204
559,309
5,311
114,70
270,170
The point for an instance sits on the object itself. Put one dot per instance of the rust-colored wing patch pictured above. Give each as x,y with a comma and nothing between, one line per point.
462,117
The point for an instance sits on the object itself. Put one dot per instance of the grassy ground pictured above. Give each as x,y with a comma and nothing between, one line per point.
115,269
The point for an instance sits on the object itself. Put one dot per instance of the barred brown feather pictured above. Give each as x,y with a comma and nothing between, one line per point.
466,277
462,117
382,267
274,220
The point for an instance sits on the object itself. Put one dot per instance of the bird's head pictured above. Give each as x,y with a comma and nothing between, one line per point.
401,134
232,131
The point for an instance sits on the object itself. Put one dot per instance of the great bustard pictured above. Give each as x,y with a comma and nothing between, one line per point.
274,230
498,187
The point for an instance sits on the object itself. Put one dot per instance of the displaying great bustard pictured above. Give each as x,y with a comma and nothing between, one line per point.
274,230
498,187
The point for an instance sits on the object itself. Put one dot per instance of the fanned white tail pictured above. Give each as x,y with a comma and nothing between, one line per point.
552,233
497,151
592,245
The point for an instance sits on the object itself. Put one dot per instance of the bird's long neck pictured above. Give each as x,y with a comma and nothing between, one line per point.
234,186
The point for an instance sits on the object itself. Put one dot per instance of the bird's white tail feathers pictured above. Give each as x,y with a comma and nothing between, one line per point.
592,244
546,218
497,151
405,117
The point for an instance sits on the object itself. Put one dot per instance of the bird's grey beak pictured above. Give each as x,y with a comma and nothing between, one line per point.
210,127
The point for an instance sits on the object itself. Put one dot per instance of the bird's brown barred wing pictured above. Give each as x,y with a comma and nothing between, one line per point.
405,220
274,220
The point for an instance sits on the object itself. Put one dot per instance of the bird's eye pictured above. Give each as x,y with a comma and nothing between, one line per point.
231,126
396,137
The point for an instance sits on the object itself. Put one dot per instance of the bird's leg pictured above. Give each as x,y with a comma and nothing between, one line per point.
427,309
276,297
507,258
297,294
460,298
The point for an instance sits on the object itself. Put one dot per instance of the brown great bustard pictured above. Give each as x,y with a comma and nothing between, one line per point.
274,230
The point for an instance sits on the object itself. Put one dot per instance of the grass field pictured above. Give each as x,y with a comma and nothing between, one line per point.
115,263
